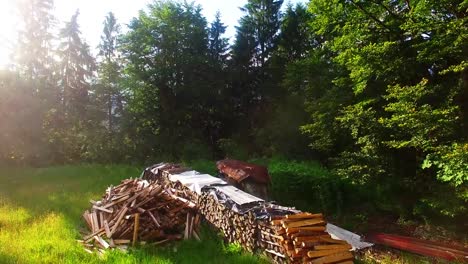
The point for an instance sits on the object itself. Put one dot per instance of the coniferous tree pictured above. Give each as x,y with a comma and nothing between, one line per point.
167,55
264,18
69,126
33,57
31,89
109,74
219,45
255,42
76,68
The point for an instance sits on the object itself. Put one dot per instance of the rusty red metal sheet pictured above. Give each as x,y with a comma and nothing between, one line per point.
422,247
240,170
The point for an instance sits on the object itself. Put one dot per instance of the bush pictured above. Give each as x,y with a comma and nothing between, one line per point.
306,185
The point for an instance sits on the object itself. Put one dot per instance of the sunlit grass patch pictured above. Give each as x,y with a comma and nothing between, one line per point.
40,220
10,216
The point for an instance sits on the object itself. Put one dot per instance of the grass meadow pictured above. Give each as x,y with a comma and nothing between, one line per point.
40,220
41,208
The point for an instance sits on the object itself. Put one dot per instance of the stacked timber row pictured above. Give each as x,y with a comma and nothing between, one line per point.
284,234
301,238
236,227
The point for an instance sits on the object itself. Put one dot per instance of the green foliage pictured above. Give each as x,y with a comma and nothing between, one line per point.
377,91
21,115
451,162
75,68
172,98
233,149
305,185
400,98
203,166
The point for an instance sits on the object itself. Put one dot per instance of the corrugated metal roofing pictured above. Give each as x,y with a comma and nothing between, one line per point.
240,170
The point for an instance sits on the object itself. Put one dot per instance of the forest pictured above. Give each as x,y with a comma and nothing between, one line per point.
373,94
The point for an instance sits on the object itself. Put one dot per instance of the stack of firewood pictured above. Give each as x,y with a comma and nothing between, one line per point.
284,234
236,227
301,238
137,211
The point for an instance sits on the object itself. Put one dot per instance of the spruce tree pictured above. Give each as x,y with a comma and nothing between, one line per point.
108,89
76,68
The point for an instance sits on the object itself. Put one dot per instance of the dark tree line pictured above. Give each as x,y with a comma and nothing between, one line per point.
375,90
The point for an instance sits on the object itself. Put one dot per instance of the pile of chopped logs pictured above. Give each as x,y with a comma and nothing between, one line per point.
160,208
284,234
301,238
236,227
137,211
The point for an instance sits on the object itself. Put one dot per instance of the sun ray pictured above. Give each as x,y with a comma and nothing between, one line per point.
8,30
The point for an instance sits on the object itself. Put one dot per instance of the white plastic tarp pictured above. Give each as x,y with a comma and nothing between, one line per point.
238,196
196,181
353,239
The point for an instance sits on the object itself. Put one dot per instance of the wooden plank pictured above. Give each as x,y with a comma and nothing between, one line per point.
106,227
161,242
264,233
333,241
308,222
124,198
121,241
135,229
275,253
88,222
185,201
192,222
143,202
326,247
95,221
307,239
116,224
322,253
110,211
154,219
187,223
195,234
342,256
292,230
97,233
101,242
304,216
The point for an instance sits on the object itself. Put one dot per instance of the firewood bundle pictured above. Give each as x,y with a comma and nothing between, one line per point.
301,238
236,227
139,211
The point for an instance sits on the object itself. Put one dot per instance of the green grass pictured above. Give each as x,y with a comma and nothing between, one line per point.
40,220
40,214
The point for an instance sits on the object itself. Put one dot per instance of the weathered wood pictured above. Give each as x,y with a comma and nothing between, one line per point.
116,224
135,229
304,216
292,230
110,211
136,210
322,253
301,223
338,257
326,247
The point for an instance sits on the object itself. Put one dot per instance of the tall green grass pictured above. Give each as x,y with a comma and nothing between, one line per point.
40,220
